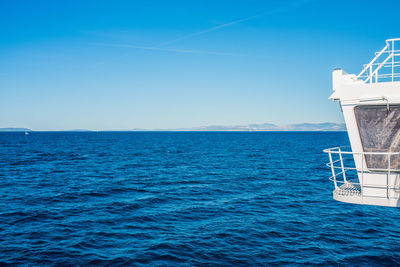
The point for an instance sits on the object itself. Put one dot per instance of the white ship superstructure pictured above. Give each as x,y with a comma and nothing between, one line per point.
368,172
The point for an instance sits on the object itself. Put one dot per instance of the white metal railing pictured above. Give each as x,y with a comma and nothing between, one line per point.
340,169
385,67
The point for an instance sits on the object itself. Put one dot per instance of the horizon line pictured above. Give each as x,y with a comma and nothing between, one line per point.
258,127
77,131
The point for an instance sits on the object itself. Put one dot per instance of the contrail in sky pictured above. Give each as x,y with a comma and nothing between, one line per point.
187,51
221,26
268,13
208,30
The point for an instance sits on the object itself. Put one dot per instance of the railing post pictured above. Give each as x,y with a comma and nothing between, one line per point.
333,169
370,74
393,60
362,175
341,163
388,177
369,66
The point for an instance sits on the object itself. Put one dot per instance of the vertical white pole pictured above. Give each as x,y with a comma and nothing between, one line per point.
370,73
332,169
362,175
392,60
341,163
388,178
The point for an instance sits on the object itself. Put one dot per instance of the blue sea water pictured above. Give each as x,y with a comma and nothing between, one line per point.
183,198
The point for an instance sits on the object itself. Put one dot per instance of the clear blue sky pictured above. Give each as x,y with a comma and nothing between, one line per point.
105,65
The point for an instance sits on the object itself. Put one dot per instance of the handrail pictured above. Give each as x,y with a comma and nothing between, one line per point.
376,58
361,169
385,70
367,185
378,68
331,150
340,179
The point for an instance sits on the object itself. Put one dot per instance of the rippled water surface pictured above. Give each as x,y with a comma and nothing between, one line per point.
165,198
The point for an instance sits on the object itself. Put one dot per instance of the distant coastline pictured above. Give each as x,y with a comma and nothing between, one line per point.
326,126
265,127
11,129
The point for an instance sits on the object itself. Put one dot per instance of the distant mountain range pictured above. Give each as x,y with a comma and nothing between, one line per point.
15,130
326,126
29,130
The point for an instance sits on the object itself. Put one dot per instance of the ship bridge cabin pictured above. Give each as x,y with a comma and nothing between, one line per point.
368,172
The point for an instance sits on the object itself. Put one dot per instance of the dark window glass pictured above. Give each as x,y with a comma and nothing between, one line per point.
380,132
